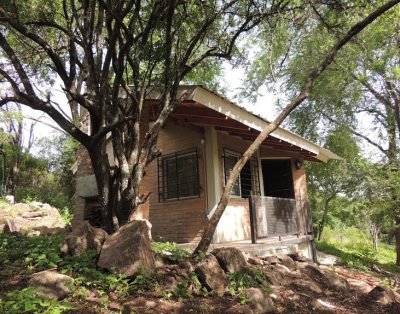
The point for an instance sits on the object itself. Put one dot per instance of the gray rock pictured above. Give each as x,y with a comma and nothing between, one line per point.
27,218
259,301
149,226
231,259
328,280
83,239
128,250
383,295
255,261
273,277
271,259
211,275
298,257
51,284
335,282
288,262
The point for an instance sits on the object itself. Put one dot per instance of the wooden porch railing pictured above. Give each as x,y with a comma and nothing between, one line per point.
273,216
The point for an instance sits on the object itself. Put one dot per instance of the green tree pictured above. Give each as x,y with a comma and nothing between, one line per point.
302,93
101,50
328,181
361,85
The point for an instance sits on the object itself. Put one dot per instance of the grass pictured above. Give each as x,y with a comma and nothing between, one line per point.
354,248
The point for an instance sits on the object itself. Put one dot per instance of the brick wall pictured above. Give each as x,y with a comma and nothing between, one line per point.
182,220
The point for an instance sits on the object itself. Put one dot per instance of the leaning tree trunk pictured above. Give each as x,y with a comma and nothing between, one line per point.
314,74
321,224
397,238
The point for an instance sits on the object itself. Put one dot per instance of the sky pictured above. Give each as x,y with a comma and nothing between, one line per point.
232,80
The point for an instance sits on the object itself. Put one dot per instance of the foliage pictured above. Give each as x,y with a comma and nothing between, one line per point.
132,47
249,278
143,282
28,301
3,203
30,254
172,250
26,255
354,248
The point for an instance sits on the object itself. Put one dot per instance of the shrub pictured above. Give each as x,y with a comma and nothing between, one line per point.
28,301
250,278
171,249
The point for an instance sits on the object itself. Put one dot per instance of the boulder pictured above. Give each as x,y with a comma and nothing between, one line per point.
288,262
128,250
149,226
383,295
298,257
255,261
273,277
51,284
83,239
328,280
271,259
10,199
211,275
258,300
31,218
231,259
335,282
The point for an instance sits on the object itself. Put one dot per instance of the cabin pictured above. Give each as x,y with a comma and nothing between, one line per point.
268,211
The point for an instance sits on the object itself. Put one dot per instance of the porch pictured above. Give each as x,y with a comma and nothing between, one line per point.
277,245
263,225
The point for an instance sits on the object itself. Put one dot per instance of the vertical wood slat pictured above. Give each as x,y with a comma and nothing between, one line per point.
253,219
275,216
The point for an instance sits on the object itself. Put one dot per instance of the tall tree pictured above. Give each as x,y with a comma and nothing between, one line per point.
301,95
103,51
338,177
15,128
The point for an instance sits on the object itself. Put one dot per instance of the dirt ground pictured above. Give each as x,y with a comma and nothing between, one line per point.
295,294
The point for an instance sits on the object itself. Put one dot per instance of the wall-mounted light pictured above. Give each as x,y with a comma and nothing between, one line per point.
298,164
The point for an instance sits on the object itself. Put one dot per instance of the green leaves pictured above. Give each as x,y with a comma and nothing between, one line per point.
28,301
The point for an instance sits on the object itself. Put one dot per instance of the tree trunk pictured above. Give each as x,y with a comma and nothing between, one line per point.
375,241
397,237
321,224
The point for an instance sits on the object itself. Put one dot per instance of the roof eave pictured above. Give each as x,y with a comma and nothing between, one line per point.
220,104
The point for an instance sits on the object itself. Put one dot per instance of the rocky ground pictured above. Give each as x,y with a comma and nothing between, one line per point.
224,281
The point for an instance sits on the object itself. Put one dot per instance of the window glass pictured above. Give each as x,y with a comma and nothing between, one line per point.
180,177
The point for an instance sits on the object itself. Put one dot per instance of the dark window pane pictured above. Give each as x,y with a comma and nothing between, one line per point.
181,177
230,161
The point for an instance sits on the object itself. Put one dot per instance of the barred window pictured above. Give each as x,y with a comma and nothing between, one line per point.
178,176
248,179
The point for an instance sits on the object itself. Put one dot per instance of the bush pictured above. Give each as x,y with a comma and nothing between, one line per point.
171,249
251,278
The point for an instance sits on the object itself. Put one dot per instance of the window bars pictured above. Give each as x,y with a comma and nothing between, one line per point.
248,180
178,176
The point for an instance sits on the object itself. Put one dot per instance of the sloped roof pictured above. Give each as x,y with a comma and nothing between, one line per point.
202,95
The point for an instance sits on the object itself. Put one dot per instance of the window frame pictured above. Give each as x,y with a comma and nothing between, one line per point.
230,153
254,175
163,176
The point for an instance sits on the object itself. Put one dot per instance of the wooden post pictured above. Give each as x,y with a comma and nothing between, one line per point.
253,223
